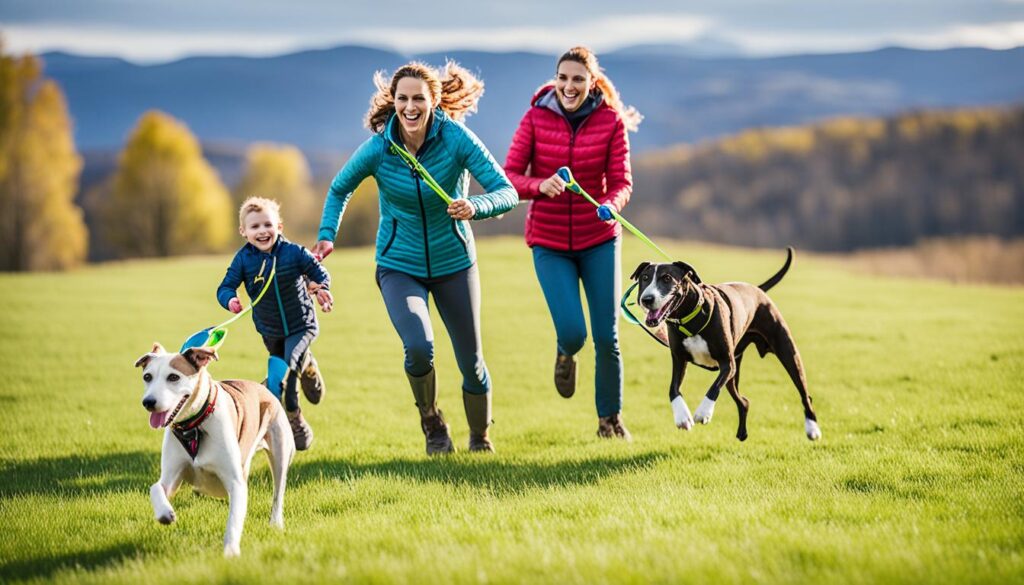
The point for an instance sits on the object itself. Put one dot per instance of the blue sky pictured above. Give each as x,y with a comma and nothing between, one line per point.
149,31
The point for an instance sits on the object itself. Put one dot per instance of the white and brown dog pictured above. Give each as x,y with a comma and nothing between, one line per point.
213,431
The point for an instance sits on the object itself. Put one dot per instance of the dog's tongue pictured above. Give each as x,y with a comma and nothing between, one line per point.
157,419
654,317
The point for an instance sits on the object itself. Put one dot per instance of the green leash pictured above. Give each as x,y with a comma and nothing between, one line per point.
214,336
420,170
572,185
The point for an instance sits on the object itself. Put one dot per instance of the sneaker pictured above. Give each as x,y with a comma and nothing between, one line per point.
439,442
565,375
301,430
609,427
312,381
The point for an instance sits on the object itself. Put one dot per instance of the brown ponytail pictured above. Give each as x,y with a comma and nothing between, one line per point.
456,91
584,56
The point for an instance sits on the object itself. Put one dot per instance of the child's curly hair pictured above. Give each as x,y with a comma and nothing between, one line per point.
255,204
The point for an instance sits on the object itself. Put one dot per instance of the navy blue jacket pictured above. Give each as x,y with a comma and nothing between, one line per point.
286,308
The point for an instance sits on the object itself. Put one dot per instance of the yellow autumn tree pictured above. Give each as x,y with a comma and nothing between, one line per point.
165,199
41,228
281,172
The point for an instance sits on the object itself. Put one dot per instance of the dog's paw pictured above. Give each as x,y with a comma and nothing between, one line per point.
705,411
681,414
167,517
812,429
231,551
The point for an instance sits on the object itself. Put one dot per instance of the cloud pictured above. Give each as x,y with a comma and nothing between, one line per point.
999,35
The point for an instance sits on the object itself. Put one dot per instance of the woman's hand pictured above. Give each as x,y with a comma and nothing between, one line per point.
552,186
461,209
322,249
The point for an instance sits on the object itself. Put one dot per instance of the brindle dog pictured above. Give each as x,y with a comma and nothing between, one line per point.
711,326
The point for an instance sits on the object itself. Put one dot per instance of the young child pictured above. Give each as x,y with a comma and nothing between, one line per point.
285,316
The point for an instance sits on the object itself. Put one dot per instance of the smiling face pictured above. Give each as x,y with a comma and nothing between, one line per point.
261,228
573,83
169,379
663,288
414,105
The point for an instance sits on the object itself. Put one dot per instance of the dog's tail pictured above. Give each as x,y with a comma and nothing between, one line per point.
782,271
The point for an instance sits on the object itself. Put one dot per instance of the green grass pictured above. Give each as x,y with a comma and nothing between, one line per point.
919,477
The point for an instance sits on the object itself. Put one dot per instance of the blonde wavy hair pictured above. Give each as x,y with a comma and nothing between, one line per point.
454,89
584,56
256,204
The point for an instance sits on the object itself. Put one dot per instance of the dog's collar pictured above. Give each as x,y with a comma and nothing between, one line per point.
698,310
187,431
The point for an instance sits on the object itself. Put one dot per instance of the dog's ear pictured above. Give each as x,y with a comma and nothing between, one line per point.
639,269
200,356
688,271
157,350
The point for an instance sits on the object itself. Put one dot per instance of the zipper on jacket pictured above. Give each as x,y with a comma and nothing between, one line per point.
391,240
280,306
572,144
423,217
458,235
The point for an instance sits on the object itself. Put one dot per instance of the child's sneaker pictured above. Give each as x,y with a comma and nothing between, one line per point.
312,381
301,430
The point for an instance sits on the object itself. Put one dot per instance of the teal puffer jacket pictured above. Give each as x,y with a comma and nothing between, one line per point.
416,235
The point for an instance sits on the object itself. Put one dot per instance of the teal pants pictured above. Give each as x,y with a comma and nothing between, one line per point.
598,268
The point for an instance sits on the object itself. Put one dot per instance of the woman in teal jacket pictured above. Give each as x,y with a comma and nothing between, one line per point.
424,245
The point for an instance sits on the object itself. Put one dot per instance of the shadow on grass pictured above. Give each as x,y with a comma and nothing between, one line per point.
44,567
79,474
502,477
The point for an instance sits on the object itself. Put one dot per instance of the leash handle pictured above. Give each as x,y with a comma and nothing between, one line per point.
572,185
415,165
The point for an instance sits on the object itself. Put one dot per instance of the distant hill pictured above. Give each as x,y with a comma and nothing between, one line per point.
843,184
316,99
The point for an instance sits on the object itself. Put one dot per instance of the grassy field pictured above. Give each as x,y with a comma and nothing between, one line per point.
919,477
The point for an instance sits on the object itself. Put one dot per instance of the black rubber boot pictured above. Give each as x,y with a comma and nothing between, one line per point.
439,441
478,415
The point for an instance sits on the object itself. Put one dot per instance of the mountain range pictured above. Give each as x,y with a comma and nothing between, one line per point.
317,99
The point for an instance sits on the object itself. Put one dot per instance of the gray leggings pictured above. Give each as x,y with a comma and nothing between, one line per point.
457,297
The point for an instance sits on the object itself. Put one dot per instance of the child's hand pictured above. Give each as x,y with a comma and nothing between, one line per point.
323,296
235,305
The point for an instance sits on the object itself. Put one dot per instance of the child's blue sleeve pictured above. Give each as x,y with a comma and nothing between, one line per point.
234,276
314,269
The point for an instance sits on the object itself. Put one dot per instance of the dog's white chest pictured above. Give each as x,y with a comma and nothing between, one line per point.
698,350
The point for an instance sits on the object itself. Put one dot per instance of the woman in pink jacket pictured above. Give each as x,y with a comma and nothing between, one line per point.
578,121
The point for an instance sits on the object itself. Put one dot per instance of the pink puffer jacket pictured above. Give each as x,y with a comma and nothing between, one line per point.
598,154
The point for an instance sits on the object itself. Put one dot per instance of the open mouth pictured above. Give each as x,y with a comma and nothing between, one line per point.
655,317
264,240
412,117
159,420
570,96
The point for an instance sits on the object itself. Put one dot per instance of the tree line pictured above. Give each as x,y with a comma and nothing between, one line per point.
162,199
843,184
840,185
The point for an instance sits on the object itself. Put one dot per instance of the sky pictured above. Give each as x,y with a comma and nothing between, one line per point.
150,31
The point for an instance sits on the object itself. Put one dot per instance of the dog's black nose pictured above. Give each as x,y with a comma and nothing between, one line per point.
646,300
149,403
